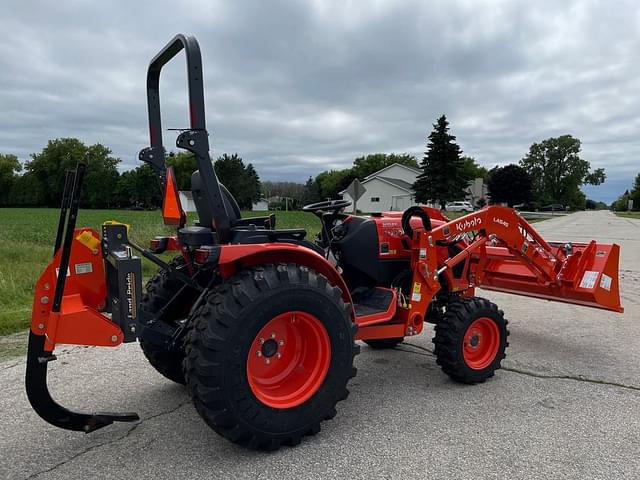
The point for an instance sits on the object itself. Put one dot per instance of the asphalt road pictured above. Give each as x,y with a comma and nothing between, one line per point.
566,405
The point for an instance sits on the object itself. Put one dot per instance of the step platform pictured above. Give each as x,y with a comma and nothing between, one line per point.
374,305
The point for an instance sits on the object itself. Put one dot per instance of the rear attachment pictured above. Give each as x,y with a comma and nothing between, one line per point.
72,316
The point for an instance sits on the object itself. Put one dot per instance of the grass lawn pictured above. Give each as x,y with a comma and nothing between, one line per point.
629,214
26,244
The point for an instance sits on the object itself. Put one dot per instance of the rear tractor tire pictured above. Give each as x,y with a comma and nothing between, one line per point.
471,340
384,343
269,355
160,289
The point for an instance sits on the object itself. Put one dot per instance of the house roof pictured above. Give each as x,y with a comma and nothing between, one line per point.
397,182
376,174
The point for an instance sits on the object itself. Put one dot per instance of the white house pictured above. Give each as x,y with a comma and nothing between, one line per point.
392,189
387,189
261,205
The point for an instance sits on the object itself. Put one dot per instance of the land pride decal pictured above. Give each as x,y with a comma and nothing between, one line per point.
130,280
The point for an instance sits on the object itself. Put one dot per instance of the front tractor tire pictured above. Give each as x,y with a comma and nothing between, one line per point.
269,355
470,340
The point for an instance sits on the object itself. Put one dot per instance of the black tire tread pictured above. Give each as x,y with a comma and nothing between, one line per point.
211,337
450,331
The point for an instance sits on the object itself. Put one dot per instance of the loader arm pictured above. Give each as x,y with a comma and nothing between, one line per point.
507,254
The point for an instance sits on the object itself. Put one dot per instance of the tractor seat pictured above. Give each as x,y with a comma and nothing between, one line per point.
254,234
195,236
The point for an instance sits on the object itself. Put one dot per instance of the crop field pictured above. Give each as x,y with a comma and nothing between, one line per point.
26,244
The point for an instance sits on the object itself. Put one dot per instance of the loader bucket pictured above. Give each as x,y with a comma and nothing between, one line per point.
587,275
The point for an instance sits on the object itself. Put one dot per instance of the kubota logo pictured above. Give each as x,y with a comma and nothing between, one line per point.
474,222
500,221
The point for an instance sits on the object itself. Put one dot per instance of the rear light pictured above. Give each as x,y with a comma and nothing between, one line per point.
206,254
201,255
158,244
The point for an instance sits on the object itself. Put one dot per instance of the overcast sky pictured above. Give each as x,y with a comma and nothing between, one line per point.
299,87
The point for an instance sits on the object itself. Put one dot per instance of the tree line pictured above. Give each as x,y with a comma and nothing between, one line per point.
622,202
40,181
552,172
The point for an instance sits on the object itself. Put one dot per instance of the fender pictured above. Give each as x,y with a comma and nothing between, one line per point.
238,257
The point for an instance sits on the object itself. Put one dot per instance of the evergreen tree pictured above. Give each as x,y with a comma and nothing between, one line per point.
443,176
311,192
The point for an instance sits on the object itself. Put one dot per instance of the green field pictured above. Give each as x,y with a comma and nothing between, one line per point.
26,243
629,214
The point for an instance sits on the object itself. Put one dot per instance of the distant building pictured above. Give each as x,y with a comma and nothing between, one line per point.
261,205
387,189
476,190
391,189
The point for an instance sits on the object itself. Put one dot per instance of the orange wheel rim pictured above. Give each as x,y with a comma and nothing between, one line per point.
288,360
481,343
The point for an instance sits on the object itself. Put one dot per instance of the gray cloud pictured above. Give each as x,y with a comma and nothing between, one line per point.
299,87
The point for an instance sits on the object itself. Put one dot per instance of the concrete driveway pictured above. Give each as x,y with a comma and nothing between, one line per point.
566,405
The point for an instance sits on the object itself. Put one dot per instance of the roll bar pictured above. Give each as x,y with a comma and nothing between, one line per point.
194,77
196,139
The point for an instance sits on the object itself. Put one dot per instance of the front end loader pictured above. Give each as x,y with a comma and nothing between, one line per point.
260,323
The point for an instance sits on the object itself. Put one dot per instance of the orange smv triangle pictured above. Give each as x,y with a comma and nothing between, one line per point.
172,212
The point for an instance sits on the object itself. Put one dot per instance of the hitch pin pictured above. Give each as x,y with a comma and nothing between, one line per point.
440,270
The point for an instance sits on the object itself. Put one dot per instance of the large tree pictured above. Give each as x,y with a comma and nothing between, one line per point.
472,170
333,181
510,184
9,167
311,192
241,180
49,168
558,172
443,176
139,188
184,164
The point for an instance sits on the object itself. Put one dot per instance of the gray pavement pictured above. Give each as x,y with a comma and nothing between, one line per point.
566,405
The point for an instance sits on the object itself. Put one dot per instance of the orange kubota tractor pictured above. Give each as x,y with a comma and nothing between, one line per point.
260,323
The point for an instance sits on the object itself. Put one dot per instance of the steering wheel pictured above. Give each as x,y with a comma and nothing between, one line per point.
327,206
415,211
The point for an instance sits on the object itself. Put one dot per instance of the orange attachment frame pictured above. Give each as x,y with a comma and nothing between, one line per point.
79,321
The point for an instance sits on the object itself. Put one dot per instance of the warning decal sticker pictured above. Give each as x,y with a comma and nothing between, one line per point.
589,279
605,282
83,268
